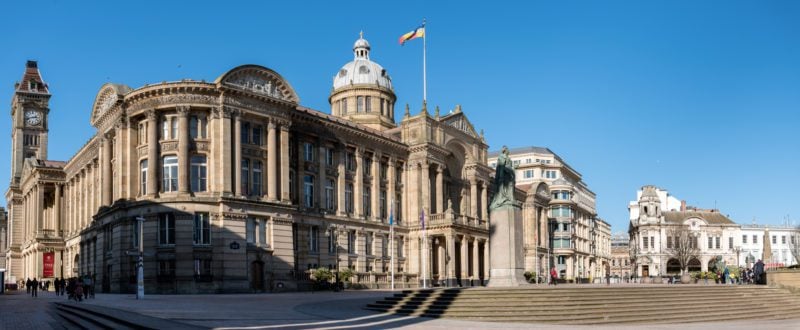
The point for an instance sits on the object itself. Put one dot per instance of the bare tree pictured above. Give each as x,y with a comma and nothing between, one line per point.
794,245
684,246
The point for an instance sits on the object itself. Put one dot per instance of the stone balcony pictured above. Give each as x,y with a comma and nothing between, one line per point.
449,218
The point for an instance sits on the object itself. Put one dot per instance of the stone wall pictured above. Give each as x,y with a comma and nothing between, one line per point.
785,278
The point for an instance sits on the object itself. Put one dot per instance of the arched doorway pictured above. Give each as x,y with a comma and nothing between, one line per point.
257,275
694,265
673,266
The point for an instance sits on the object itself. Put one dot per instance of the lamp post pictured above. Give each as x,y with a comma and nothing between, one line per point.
140,262
332,235
551,263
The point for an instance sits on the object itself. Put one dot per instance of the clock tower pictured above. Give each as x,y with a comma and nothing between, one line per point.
29,110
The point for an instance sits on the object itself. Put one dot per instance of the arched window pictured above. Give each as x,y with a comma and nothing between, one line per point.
199,173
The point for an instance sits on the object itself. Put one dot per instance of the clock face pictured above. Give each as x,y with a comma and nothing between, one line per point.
33,118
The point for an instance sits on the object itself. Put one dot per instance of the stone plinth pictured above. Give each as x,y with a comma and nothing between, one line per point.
505,247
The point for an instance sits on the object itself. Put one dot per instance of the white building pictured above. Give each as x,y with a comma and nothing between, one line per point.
782,240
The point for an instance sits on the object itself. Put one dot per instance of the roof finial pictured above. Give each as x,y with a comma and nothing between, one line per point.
458,108
408,112
424,107
361,34
437,112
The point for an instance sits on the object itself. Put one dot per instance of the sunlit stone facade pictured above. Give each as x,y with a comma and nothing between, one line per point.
243,189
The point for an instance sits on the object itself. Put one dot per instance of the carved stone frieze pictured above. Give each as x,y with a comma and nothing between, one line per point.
161,101
169,146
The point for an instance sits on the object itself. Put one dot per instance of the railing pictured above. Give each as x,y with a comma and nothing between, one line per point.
452,218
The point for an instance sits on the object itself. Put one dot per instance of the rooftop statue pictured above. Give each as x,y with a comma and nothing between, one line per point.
504,182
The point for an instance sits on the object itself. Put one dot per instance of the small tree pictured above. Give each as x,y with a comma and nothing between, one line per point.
683,247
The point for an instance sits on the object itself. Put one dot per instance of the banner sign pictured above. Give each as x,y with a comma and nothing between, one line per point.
48,262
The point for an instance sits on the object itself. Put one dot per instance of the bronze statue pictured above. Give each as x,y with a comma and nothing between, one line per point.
504,181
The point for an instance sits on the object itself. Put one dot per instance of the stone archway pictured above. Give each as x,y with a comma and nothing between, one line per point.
455,184
673,266
694,265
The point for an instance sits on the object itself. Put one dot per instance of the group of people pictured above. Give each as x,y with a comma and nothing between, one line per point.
755,275
76,288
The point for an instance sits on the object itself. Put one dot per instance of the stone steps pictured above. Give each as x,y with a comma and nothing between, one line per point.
593,305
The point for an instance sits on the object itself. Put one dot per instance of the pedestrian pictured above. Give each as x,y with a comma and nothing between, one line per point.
608,274
34,288
28,286
79,290
758,272
553,276
726,275
87,286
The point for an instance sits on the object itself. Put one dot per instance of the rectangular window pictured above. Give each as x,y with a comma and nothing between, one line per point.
368,244
367,167
344,106
202,270
360,104
350,162
528,174
262,232
755,239
348,198
193,125
774,239
202,229
730,242
385,246
250,231
245,133
174,133
368,103
710,242
308,152
257,178
717,242
366,201
170,174
257,136
383,108
783,239
165,129
166,229
143,177
245,177
332,242
645,242
652,242
744,239
400,247
330,197
308,190
313,239
351,242
329,156
199,173
669,242
551,174
382,204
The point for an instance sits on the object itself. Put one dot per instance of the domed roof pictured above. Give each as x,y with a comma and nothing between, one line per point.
361,70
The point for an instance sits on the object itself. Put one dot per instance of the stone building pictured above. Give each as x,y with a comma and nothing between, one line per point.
557,199
783,244
620,257
656,217
243,189
3,238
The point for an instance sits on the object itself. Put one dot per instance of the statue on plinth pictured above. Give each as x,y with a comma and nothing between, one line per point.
504,181
505,228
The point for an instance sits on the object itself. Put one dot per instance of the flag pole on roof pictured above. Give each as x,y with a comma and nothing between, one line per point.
419,32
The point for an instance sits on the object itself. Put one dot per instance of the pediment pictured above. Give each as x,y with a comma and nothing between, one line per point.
107,98
260,81
460,122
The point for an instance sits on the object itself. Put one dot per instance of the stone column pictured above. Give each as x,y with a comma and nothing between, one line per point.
464,258
152,153
57,210
300,174
272,162
117,175
376,186
285,198
439,189
39,209
321,176
341,208
391,176
451,259
183,149
425,176
105,160
358,186
225,148
237,152
442,259
476,256
473,189
484,201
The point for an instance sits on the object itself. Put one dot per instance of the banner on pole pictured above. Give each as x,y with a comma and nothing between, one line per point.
48,260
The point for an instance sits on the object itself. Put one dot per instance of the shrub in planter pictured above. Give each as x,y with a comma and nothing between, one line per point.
322,274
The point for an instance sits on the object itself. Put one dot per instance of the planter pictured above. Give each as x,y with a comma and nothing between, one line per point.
686,278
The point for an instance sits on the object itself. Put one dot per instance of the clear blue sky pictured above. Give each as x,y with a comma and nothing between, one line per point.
699,97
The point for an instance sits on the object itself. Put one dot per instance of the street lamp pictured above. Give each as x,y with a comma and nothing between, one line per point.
550,247
332,236
140,263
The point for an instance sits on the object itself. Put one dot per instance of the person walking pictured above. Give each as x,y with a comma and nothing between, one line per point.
34,288
758,272
28,286
608,274
726,275
553,276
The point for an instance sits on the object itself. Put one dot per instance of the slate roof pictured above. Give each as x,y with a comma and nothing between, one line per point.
713,218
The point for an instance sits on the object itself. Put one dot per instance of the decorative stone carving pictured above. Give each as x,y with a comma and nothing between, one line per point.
160,101
169,146
183,110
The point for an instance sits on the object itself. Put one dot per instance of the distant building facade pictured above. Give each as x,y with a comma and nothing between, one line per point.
561,225
620,256
244,190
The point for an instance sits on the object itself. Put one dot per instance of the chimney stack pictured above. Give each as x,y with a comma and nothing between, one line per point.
683,205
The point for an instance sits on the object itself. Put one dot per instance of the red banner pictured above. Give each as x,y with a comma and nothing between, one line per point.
48,261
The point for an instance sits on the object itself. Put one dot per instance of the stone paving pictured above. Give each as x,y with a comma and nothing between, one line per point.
321,310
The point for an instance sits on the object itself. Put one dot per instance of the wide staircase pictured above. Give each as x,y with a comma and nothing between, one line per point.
598,305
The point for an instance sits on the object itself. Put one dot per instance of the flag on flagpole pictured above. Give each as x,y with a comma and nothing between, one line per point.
417,33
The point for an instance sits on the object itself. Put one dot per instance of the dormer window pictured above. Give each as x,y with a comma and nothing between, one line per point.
33,85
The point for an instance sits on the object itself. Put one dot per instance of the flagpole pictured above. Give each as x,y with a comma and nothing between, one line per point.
424,64
391,242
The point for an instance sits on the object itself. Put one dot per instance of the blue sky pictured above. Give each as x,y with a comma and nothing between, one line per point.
699,97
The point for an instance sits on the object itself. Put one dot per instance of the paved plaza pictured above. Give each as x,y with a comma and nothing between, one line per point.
320,310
